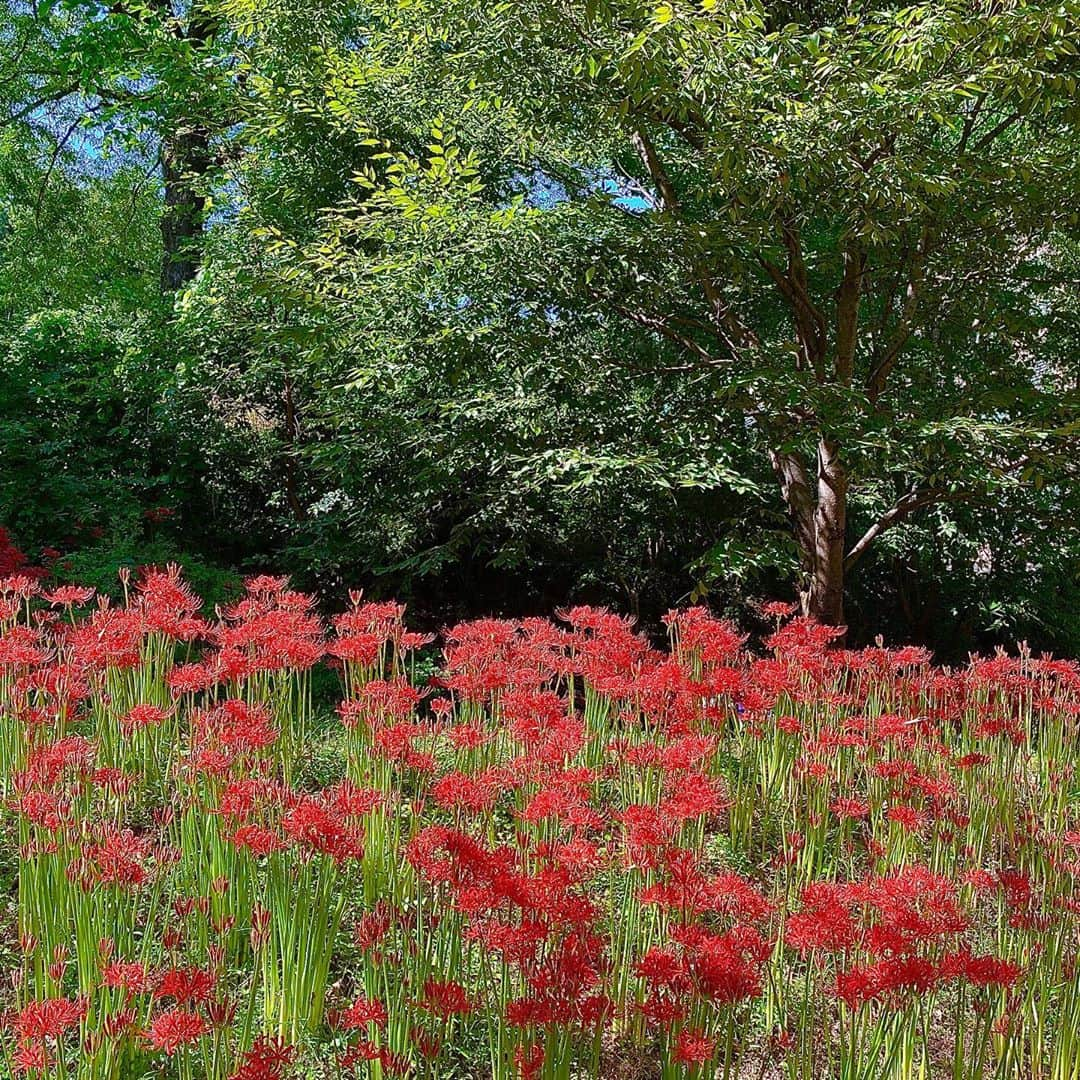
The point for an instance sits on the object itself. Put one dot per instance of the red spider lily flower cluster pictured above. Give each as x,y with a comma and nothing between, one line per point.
567,850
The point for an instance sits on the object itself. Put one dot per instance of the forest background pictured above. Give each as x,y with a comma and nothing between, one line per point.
497,307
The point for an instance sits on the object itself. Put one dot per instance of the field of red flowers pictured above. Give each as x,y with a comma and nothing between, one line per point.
567,854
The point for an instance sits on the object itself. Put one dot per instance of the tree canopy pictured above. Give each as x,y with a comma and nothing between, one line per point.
517,303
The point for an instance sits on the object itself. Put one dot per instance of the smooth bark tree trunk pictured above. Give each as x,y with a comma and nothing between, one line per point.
818,510
790,470
826,602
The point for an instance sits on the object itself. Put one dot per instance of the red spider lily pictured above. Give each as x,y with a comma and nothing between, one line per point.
143,716
20,648
186,986
373,927
778,609
694,796
32,1057
268,1059
849,808
129,976
23,585
664,968
69,595
266,584
445,999
176,1028
528,1060
260,927
314,826
568,843
726,968
119,858
887,977
825,922
981,970
48,1019
362,1012
256,838
693,1047
471,793
906,816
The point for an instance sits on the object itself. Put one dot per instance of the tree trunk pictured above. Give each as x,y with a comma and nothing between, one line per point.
790,470
826,603
185,163
185,160
819,522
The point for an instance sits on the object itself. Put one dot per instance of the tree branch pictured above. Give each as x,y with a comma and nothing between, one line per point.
669,198
912,501
26,110
969,123
58,149
875,382
684,130
847,314
810,325
664,329
997,130
797,276
734,334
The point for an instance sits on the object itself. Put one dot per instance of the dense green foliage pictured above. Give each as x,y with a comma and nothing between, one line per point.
507,305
